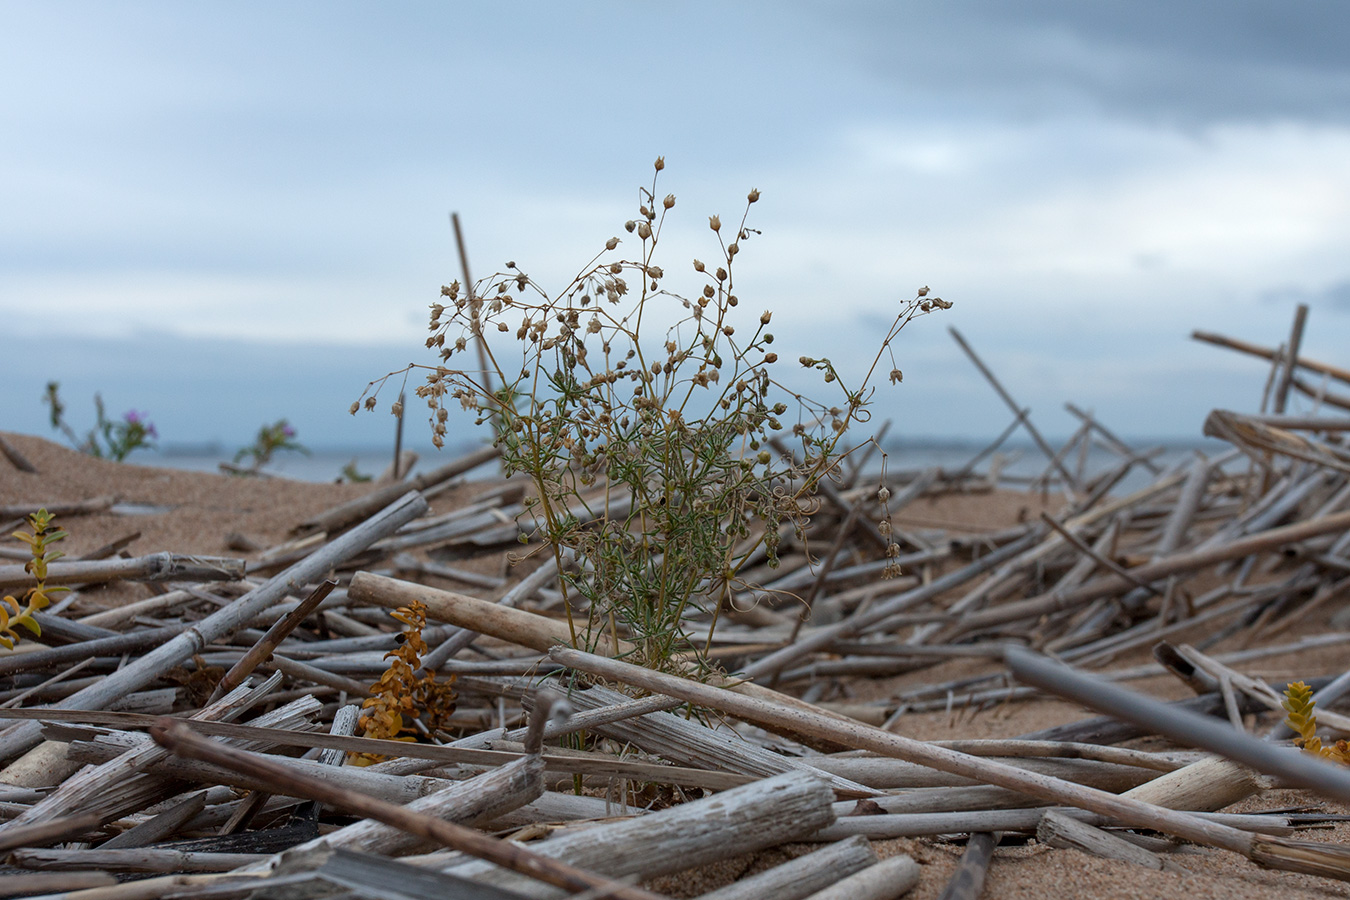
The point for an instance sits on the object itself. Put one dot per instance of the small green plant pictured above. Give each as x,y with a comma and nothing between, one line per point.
1299,702
14,612
400,693
352,475
108,438
651,459
280,435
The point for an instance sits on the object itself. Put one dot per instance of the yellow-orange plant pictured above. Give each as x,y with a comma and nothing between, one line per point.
15,612
1298,702
401,692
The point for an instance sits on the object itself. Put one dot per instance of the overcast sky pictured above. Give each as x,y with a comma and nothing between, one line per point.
226,213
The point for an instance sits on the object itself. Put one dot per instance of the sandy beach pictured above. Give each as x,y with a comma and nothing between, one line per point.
196,513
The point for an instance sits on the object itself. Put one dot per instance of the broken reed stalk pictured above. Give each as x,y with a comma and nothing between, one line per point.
1289,764
855,623
885,880
279,631
1108,585
354,510
154,567
179,738
803,876
967,882
1022,417
1264,850
1290,361
1270,354
137,674
517,626
115,645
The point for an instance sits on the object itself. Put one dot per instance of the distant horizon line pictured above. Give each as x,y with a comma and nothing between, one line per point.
925,442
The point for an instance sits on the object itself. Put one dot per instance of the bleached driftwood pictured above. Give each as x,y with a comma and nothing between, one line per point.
802,876
1025,820
742,820
155,567
892,877
1059,830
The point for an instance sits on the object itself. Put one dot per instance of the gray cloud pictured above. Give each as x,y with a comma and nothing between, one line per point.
1334,296
1186,65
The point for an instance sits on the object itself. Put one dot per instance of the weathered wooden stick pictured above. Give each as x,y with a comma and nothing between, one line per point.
119,615
177,736
1012,404
889,774
1206,785
1285,763
118,644
990,820
138,673
967,882
802,876
485,797
463,637
857,622
269,641
138,859
1109,437
354,510
394,789
304,672
1059,830
1109,585
1053,789
159,827
1268,353
157,888
1183,512
692,743
475,316
1086,549
402,789
54,883
48,832
742,820
527,629
524,628
1258,440
367,875
155,567
888,879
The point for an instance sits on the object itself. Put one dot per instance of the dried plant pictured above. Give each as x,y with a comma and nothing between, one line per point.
401,695
1299,702
650,458
14,612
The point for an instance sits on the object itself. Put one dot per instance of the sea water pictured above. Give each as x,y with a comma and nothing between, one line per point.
1018,461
